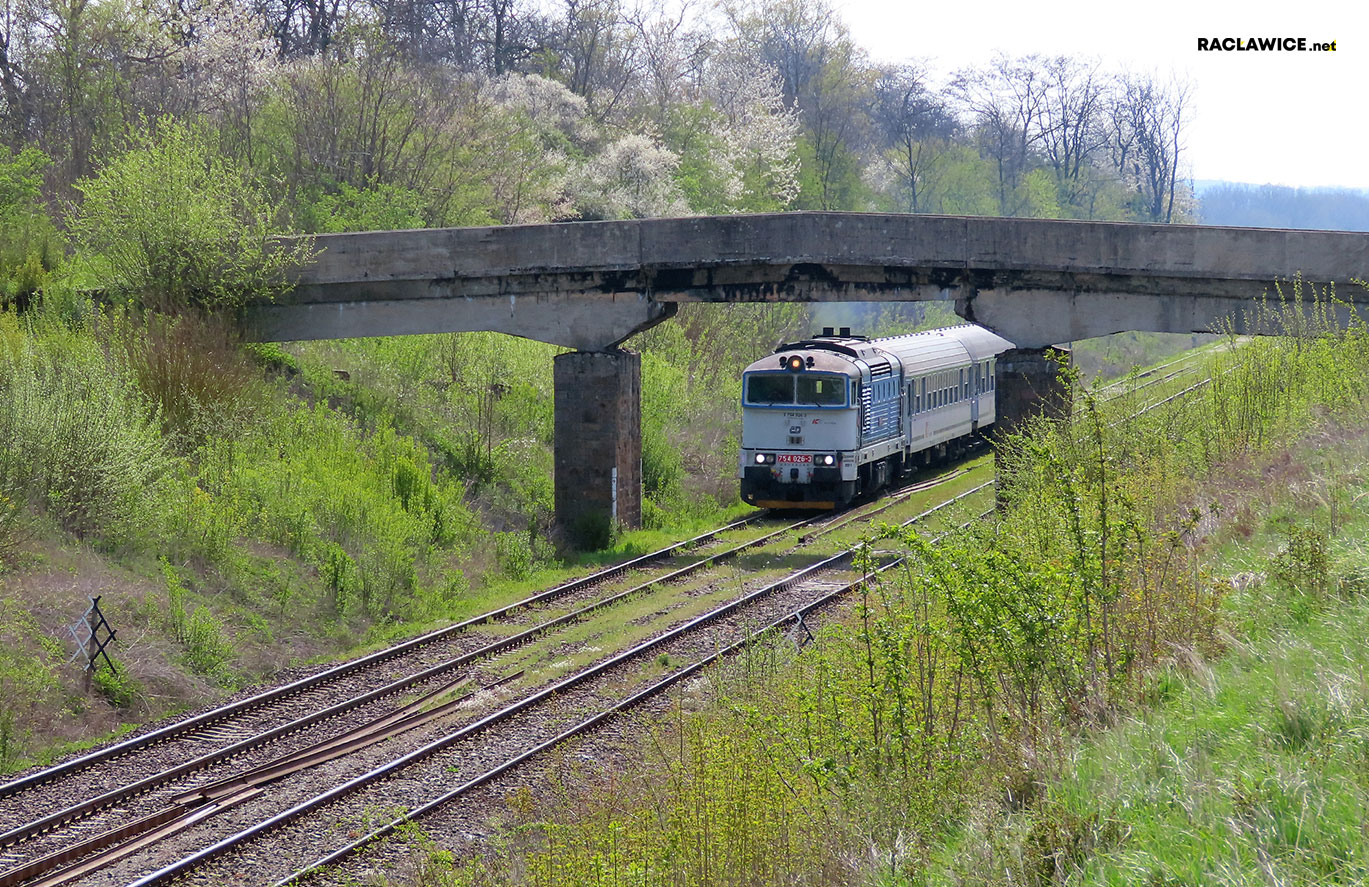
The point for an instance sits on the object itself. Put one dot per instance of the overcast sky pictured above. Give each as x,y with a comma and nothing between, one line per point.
1289,118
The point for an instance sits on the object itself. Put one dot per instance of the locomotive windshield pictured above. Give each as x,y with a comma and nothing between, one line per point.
821,390
770,388
802,388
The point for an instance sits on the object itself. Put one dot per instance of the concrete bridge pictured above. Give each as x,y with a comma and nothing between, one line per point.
589,286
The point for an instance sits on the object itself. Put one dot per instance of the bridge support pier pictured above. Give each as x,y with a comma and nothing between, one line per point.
598,444
1028,382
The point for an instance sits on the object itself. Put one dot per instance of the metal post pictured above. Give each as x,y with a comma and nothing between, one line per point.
92,645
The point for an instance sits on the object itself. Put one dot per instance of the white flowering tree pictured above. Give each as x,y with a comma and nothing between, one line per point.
223,57
539,131
632,178
759,139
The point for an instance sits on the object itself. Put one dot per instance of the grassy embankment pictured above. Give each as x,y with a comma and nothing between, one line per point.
1077,691
244,509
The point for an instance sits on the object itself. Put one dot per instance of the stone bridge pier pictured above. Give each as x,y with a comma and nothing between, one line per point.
598,444
1029,382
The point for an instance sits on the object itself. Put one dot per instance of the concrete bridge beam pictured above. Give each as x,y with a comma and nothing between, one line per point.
593,321
1035,318
598,444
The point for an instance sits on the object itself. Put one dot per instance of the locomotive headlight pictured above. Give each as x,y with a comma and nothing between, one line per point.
795,364
829,459
765,458
760,458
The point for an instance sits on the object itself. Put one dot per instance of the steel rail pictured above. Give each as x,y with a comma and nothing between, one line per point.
601,716
181,866
190,807
179,728
502,645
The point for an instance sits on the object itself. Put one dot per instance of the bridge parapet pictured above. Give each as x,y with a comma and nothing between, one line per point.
589,285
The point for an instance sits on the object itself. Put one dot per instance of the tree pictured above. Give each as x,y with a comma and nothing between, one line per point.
823,75
632,178
597,55
16,33
1007,103
672,58
917,126
171,224
1071,126
302,27
1145,139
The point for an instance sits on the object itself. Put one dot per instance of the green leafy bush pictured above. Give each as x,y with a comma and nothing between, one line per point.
77,437
377,207
29,243
198,630
171,222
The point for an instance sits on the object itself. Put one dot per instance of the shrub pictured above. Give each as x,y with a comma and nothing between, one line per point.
29,244
191,371
171,222
77,438
119,687
198,631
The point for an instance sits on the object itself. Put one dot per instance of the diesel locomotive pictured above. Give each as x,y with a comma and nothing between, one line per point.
837,416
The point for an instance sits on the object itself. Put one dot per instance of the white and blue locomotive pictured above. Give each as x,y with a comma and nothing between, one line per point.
830,418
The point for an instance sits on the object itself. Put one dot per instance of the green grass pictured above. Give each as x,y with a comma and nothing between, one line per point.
1254,770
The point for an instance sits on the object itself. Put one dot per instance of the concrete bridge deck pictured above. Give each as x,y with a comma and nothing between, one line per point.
589,285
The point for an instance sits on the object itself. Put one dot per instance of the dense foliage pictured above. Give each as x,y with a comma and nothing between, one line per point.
360,114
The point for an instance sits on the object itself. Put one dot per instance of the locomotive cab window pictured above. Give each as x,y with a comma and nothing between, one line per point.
828,391
770,388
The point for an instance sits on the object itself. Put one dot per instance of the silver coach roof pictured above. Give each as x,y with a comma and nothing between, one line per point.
919,353
932,350
979,342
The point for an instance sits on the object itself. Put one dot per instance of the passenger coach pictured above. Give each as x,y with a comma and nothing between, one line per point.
836,416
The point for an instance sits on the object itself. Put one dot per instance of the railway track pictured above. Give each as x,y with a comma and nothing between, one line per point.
439,705
1155,377
47,843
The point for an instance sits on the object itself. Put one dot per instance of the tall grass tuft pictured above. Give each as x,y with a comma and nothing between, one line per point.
191,370
77,438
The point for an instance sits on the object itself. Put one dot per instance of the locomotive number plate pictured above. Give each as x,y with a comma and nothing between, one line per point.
793,457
